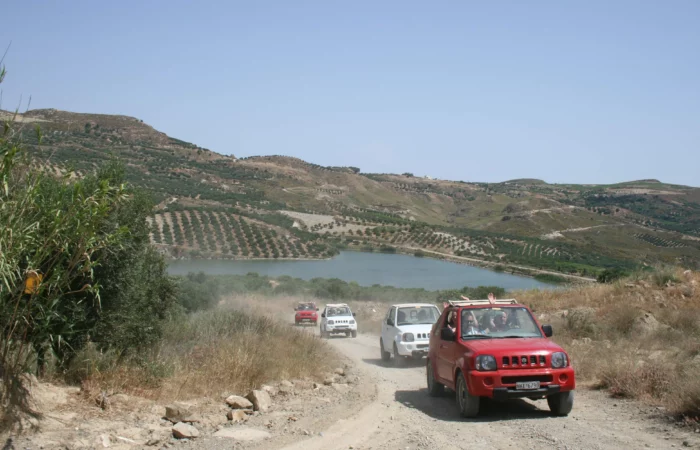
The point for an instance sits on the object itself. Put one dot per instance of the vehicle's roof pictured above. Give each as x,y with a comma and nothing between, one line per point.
408,305
335,305
490,306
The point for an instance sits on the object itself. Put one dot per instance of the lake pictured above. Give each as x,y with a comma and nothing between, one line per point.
367,269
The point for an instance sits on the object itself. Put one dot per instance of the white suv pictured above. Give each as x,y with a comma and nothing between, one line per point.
337,318
406,331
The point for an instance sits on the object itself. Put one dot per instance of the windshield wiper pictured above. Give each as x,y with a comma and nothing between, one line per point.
478,336
513,336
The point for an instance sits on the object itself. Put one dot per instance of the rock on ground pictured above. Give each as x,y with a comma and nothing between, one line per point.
237,415
238,402
177,412
260,399
182,430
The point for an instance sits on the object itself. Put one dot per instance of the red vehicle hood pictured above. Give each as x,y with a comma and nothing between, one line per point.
512,346
306,313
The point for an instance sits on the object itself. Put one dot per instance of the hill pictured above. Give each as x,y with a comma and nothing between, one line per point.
213,205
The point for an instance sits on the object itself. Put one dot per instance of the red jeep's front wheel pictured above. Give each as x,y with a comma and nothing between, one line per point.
435,389
468,404
562,403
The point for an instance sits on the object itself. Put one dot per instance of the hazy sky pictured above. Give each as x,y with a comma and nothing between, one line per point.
587,91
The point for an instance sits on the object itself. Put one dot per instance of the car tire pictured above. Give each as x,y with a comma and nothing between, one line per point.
354,334
467,404
562,403
386,356
398,359
435,389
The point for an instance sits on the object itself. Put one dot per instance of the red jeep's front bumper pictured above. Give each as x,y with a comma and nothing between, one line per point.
306,318
501,384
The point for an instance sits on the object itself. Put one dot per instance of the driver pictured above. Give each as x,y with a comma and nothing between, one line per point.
471,325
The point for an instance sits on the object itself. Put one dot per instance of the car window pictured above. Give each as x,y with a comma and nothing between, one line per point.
444,322
506,322
338,311
392,313
417,315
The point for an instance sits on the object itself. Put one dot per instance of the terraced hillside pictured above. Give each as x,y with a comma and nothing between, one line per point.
581,228
197,232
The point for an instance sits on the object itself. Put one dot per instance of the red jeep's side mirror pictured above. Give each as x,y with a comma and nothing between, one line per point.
316,309
547,330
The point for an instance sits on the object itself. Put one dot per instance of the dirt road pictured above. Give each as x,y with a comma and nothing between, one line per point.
403,416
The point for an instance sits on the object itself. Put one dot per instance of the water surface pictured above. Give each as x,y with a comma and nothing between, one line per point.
368,269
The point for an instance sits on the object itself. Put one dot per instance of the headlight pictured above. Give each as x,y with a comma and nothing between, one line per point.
559,360
485,363
352,322
330,322
408,337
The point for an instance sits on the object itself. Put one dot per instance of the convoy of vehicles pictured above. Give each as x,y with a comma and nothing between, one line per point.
338,318
406,330
306,313
493,349
496,349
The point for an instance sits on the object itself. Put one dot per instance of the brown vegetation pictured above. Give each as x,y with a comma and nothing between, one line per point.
213,353
639,337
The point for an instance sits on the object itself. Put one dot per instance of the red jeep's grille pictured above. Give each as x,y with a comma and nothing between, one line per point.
516,379
524,361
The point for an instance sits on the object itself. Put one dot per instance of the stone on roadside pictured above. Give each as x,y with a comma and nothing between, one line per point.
339,371
182,430
177,412
286,383
260,399
329,381
238,402
237,415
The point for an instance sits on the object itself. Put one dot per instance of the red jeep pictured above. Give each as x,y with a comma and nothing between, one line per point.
497,349
306,312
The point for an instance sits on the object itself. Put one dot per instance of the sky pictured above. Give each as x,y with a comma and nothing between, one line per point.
593,91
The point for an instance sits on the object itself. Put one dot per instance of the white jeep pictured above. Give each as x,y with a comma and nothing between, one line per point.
337,318
406,331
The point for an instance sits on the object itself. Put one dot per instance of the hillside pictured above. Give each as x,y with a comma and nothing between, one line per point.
212,205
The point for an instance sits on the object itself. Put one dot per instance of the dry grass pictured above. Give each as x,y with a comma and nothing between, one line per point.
213,354
638,338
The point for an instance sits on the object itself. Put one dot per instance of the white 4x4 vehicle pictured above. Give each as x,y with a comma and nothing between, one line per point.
337,318
406,331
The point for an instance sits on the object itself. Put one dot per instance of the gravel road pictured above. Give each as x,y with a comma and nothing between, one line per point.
403,416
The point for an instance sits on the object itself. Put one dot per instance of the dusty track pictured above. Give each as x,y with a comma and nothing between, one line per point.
404,416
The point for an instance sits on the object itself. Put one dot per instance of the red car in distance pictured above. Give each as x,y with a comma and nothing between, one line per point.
306,313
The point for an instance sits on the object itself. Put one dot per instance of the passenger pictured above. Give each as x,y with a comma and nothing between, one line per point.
500,322
471,326
414,316
423,316
451,322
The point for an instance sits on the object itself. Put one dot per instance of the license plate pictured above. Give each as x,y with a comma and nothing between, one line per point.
527,385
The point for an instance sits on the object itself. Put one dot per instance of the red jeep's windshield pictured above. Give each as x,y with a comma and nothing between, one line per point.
305,307
498,322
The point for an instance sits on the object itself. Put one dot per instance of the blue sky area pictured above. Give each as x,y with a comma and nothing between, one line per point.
586,92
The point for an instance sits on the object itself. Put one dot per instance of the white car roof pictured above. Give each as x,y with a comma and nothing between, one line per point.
409,305
336,305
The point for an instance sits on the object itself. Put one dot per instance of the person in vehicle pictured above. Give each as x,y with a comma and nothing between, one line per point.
401,318
500,322
451,322
471,325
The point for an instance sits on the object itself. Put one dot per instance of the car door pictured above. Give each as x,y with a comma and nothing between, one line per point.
445,351
388,327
